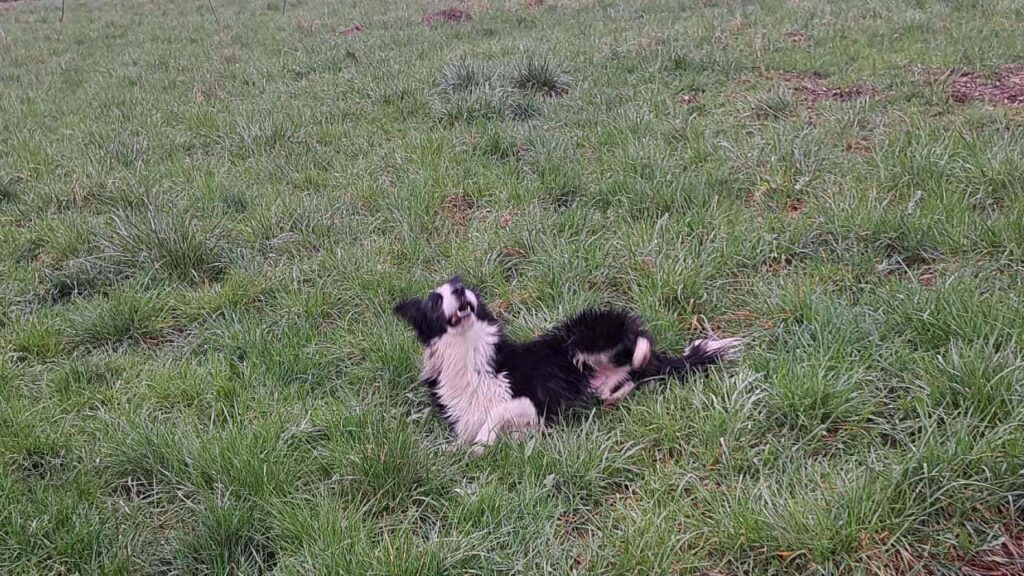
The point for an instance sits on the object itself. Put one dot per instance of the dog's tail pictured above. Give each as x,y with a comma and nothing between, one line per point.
698,355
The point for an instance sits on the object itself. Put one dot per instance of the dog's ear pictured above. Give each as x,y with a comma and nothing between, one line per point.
410,310
415,312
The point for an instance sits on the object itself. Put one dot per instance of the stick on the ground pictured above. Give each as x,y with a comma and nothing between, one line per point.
62,10
284,4
214,10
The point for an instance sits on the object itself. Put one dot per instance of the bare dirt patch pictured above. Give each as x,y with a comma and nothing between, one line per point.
1007,88
812,88
652,41
927,276
740,321
1004,557
449,15
857,147
458,209
352,30
797,37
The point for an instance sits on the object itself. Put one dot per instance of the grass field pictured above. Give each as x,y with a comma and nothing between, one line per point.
205,219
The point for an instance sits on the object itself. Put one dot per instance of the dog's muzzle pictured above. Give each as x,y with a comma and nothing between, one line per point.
465,309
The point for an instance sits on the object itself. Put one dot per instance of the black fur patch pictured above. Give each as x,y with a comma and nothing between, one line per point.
425,317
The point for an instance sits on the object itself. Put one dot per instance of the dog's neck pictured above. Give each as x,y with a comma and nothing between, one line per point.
461,362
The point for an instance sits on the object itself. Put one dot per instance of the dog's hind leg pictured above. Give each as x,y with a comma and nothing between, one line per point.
641,353
513,418
615,387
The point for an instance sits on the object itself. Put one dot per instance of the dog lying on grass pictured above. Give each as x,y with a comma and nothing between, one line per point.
486,384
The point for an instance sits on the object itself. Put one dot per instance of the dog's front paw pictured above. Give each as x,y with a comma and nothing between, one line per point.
486,437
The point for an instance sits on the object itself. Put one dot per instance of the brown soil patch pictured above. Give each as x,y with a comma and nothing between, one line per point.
651,41
927,276
534,4
450,15
1007,88
1003,558
352,30
510,254
742,315
797,37
857,147
795,207
882,561
778,264
209,90
739,321
499,307
812,88
458,209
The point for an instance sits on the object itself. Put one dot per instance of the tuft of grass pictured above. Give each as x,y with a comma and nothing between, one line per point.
464,76
978,382
171,244
120,318
387,468
229,538
541,76
39,340
81,278
472,91
85,383
8,190
487,104
775,103
130,151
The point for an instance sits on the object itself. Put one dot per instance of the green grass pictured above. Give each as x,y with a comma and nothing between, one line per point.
203,228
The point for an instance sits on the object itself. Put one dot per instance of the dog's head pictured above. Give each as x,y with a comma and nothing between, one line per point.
449,307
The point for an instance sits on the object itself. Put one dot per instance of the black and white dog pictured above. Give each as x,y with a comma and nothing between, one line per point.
486,384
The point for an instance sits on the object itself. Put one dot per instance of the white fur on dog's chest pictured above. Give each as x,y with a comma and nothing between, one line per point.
467,387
